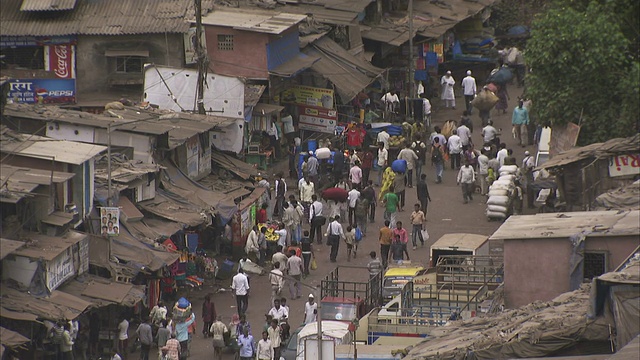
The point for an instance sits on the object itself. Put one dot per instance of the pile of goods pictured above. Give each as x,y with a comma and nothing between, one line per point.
486,100
501,193
396,140
270,235
182,310
399,166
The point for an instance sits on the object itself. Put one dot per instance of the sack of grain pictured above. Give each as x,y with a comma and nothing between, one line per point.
498,200
485,101
506,176
498,192
511,169
497,208
496,215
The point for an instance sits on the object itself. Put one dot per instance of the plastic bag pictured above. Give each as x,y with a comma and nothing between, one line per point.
425,235
314,264
358,234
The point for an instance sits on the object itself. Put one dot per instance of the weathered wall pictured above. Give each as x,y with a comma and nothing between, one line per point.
93,67
538,269
248,58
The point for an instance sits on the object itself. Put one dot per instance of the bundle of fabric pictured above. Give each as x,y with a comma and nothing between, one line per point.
485,101
182,310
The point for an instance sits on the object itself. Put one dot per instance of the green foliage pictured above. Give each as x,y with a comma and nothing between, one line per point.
509,13
582,71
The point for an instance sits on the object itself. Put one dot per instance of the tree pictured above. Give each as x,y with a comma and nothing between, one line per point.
583,70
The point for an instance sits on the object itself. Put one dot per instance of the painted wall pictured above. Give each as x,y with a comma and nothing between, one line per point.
20,269
194,157
538,269
251,47
93,67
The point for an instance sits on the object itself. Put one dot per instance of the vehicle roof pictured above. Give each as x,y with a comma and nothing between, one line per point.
341,300
460,240
403,271
335,329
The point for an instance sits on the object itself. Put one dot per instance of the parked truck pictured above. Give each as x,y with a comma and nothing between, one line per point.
459,244
344,299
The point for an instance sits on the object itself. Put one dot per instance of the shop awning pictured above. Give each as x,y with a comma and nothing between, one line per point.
266,109
102,292
294,66
19,182
348,73
11,338
236,166
151,229
23,306
48,247
171,208
9,246
58,218
129,249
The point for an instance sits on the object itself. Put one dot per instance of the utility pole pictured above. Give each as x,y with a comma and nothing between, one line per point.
412,88
202,63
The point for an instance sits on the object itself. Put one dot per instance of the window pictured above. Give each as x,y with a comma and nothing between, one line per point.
225,42
129,64
29,57
595,264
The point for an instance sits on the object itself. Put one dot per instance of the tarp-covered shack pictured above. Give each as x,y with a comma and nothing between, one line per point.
583,173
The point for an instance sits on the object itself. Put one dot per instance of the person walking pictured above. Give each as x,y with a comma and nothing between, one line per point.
367,163
422,191
274,333
352,199
307,251
145,335
466,179
369,193
464,133
172,349
217,331
338,163
420,148
164,334
240,287
399,189
350,241
426,110
123,336
489,133
182,334
264,350
295,270
307,189
437,158
251,248
276,280
208,314
310,310
382,158
401,236
281,191
448,95
374,265
247,347
417,222
278,312
312,167
355,175
455,149
392,206
520,123
383,137
483,171
316,220
334,234
385,238
408,155
469,90
362,210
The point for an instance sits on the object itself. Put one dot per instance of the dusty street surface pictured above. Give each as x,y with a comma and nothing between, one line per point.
446,214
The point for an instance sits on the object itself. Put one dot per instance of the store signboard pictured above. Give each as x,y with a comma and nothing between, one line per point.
624,165
60,59
317,119
307,95
42,91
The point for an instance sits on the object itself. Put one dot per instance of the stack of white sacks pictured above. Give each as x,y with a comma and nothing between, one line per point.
501,193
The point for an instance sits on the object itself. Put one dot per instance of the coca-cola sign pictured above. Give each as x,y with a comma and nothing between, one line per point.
60,60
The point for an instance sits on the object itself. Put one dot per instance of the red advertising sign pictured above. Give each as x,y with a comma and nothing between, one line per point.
318,119
60,59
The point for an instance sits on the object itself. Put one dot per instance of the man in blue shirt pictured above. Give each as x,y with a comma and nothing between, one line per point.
247,347
520,120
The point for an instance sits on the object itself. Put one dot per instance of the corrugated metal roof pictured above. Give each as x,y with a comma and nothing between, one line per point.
101,17
262,22
48,247
47,5
19,182
294,66
349,74
9,246
68,152
564,225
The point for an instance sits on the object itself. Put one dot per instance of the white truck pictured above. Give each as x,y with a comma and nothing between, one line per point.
459,244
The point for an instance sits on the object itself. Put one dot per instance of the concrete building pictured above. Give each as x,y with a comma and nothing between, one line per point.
549,254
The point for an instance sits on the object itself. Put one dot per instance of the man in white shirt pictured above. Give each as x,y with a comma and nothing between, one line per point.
352,199
390,101
240,287
489,133
455,149
307,189
316,220
334,234
278,312
251,248
310,310
264,350
502,154
469,90
276,280
465,135
355,175
447,82
528,163
383,158
426,105
383,137
282,233
410,156
123,336
483,171
467,179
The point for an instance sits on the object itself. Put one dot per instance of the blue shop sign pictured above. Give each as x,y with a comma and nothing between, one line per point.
43,91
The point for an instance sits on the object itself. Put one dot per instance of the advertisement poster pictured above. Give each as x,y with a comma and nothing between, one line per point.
42,91
307,95
624,165
60,269
317,119
110,221
60,59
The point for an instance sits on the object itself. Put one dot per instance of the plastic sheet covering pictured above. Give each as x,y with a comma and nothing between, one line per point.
627,197
625,302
